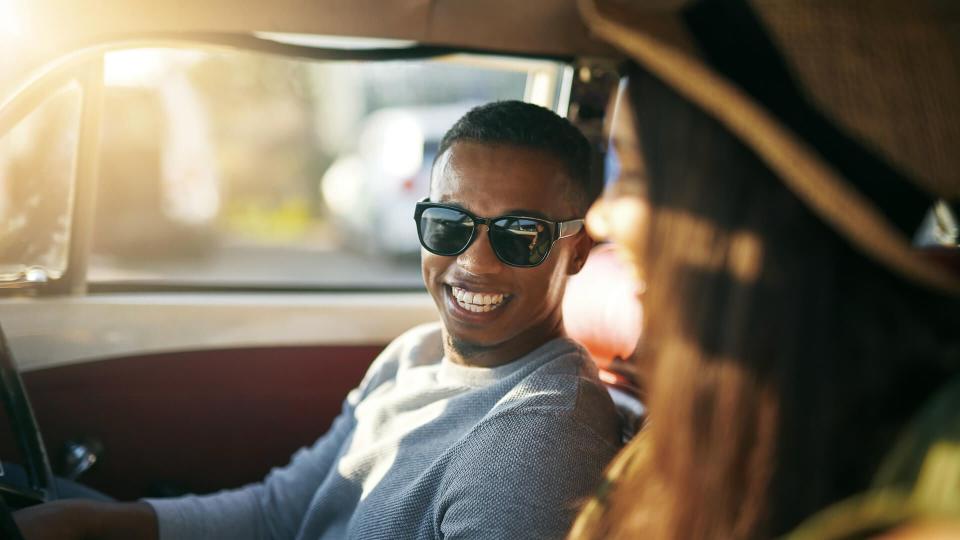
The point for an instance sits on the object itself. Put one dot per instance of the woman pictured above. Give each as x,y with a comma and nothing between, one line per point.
802,361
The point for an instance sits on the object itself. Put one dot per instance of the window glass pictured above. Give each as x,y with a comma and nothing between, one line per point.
37,167
246,169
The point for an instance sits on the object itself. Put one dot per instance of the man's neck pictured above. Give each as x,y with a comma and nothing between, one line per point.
493,356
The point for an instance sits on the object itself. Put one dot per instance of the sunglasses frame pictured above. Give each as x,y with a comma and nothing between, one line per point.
558,230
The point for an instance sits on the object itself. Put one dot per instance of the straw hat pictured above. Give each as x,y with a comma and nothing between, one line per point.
854,104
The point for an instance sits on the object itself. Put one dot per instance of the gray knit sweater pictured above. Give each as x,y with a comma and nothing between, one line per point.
426,448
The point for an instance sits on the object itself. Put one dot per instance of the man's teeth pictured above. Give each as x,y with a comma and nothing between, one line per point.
476,301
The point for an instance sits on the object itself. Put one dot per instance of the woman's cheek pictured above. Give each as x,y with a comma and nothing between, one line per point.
623,220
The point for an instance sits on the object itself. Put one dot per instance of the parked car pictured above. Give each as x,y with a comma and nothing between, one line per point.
370,191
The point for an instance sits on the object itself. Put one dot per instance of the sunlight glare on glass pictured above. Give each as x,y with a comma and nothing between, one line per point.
144,67
334,42
11,20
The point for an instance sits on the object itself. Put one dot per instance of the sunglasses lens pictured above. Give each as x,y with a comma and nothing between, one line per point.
521,242
444,230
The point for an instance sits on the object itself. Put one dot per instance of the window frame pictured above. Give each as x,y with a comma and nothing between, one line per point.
85,65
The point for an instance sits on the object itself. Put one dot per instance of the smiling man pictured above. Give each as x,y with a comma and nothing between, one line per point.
491,424
499,282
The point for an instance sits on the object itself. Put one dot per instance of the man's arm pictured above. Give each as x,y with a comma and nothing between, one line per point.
273,508
270,509
79,519
522,476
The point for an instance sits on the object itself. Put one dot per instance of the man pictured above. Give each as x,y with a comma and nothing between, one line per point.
490,425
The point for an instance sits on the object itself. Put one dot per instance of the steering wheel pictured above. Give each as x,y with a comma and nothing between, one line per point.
41,486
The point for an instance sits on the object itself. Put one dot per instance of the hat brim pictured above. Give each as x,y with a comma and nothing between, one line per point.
802,170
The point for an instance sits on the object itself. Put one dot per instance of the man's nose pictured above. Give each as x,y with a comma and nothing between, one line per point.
479,257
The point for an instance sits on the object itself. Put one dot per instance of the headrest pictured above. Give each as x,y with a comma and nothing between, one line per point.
601,309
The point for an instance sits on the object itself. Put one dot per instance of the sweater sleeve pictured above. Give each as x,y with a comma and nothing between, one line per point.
274,508
521,476
271,509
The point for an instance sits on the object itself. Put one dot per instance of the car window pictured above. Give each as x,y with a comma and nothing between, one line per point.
37,168
246,169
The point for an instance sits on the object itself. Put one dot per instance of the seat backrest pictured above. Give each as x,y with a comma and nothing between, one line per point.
601,309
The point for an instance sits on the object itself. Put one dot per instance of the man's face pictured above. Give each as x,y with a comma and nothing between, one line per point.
492,180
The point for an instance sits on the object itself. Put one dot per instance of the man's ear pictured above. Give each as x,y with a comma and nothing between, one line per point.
582,245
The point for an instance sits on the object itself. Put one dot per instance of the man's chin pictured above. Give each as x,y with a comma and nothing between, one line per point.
468,347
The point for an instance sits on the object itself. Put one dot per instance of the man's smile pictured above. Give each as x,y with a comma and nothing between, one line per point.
473,304
476,301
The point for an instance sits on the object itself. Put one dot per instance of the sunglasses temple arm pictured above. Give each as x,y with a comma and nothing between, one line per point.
569,228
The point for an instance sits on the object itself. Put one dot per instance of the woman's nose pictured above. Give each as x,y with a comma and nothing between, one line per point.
622,219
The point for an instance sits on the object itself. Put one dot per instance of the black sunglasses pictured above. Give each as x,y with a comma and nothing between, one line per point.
516,240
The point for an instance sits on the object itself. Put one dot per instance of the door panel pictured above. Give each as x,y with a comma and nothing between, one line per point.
196,421
196,392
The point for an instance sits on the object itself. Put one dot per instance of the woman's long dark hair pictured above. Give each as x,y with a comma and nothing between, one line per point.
784,362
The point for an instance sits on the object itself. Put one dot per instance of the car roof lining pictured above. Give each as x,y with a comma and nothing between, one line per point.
532,27
266,43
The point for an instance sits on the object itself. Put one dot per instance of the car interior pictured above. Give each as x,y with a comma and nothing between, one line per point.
184,298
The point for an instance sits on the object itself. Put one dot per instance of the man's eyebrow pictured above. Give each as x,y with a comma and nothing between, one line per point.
449,202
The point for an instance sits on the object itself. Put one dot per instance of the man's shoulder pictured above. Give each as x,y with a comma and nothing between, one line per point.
560,408
419,345
565,388
565,369
565,357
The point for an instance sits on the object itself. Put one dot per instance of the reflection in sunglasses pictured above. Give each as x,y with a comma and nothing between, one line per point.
535,235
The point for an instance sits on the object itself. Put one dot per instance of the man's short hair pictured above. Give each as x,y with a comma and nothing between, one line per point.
517,123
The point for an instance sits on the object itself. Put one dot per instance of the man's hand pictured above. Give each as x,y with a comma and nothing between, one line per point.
77,519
